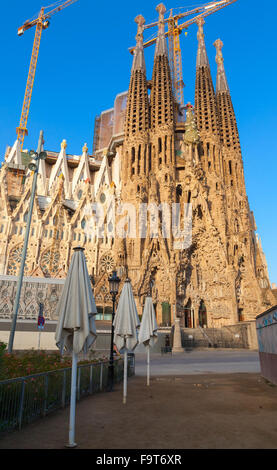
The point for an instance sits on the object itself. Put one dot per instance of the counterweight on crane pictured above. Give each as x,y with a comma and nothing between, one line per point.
41,23
173,34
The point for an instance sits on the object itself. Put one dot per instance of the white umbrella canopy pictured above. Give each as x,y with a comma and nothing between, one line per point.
126,323
76,330
148,333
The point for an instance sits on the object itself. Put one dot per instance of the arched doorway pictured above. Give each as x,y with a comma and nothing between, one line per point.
188,315
202,315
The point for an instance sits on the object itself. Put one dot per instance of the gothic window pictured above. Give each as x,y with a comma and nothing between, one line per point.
230,167
160,144
178,193
150,157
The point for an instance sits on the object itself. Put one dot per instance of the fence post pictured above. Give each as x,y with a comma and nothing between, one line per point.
21,407
45,394
101,376
90,379
64,388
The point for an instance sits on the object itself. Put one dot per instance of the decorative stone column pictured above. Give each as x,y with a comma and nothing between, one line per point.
177,339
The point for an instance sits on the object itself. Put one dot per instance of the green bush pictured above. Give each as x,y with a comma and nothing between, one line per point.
32,362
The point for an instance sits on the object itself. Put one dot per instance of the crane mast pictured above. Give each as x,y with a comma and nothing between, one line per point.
41,23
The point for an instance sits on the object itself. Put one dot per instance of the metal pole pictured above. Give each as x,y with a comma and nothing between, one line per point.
111,364
25,246
125,376
39,339
148,365
72,442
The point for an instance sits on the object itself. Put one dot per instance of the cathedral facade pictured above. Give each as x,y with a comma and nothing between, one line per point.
147,161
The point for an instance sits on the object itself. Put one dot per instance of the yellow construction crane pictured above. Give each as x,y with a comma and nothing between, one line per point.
173,34
41,22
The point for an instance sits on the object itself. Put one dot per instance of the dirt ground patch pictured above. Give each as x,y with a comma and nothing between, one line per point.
214,411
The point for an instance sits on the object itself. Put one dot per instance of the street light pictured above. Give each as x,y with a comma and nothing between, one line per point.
114,282
33,166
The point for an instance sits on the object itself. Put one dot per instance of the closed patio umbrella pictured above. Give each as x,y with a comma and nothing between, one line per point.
76,329
148,332
126,322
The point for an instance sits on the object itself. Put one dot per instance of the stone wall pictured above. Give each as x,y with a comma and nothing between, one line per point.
34,291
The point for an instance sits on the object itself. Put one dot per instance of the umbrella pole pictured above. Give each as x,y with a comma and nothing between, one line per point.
125,377
148,365
72,442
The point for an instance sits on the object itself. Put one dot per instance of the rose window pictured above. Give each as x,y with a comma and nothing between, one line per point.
15,260
50,262
107,263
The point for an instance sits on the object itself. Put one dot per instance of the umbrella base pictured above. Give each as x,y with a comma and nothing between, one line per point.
71,446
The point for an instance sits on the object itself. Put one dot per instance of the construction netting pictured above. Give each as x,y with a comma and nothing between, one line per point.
110,123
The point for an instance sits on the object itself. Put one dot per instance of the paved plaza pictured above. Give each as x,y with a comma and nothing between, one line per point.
212,399
201,361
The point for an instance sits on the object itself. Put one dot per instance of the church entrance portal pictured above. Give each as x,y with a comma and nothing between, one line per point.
202,315
188,315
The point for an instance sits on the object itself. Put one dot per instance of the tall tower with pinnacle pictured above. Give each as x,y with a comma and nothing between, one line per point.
212,280
182,227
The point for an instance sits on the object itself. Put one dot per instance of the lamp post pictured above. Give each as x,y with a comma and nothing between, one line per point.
114,281
36,156
92,281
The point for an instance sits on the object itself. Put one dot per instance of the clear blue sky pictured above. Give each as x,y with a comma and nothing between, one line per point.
84,62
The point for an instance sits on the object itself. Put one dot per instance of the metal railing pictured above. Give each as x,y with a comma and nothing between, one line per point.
25,399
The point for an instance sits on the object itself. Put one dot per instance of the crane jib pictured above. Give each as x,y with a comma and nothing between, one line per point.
41,23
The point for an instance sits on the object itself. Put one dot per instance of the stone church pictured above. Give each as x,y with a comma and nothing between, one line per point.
147,152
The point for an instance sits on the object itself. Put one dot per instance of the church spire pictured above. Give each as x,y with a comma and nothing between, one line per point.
137,112
205,102
139,61
202,58
161,93
161,45
226,115
221,81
